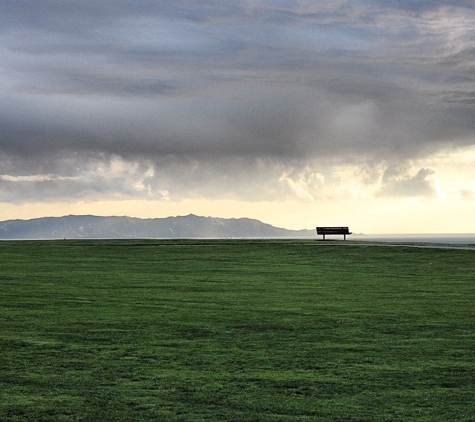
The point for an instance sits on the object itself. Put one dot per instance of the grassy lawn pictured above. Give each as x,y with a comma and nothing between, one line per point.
235,331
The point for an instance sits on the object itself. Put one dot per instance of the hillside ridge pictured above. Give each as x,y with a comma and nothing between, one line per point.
124,227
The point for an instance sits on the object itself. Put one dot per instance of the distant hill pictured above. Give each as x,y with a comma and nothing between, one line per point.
94,227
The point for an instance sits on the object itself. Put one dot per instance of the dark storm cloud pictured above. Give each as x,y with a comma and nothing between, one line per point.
200,85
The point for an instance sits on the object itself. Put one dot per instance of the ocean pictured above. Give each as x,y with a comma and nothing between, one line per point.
424,238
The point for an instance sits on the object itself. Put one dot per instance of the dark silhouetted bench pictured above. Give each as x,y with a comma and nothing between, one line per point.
333,230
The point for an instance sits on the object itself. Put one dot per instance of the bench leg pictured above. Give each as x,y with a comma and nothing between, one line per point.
344,237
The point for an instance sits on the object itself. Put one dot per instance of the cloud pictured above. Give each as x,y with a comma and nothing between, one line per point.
397,183
423,5
253,99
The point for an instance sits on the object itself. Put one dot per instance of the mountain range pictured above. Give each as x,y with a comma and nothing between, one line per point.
96,227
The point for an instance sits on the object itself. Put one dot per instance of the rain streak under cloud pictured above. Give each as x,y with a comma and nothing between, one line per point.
248,101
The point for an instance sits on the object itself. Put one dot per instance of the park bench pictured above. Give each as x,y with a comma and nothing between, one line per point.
333,230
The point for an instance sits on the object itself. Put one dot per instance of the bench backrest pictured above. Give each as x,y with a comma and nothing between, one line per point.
333,230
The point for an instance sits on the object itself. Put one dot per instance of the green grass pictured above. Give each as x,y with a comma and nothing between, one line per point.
235,331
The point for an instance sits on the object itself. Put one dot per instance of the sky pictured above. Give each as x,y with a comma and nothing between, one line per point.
299,113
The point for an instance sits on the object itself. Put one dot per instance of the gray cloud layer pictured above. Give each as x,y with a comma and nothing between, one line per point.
214,95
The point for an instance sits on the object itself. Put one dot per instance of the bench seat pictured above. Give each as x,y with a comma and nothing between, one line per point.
333,231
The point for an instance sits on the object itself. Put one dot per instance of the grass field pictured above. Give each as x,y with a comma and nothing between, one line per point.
235,331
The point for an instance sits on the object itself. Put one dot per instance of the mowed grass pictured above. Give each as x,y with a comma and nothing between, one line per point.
235,331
